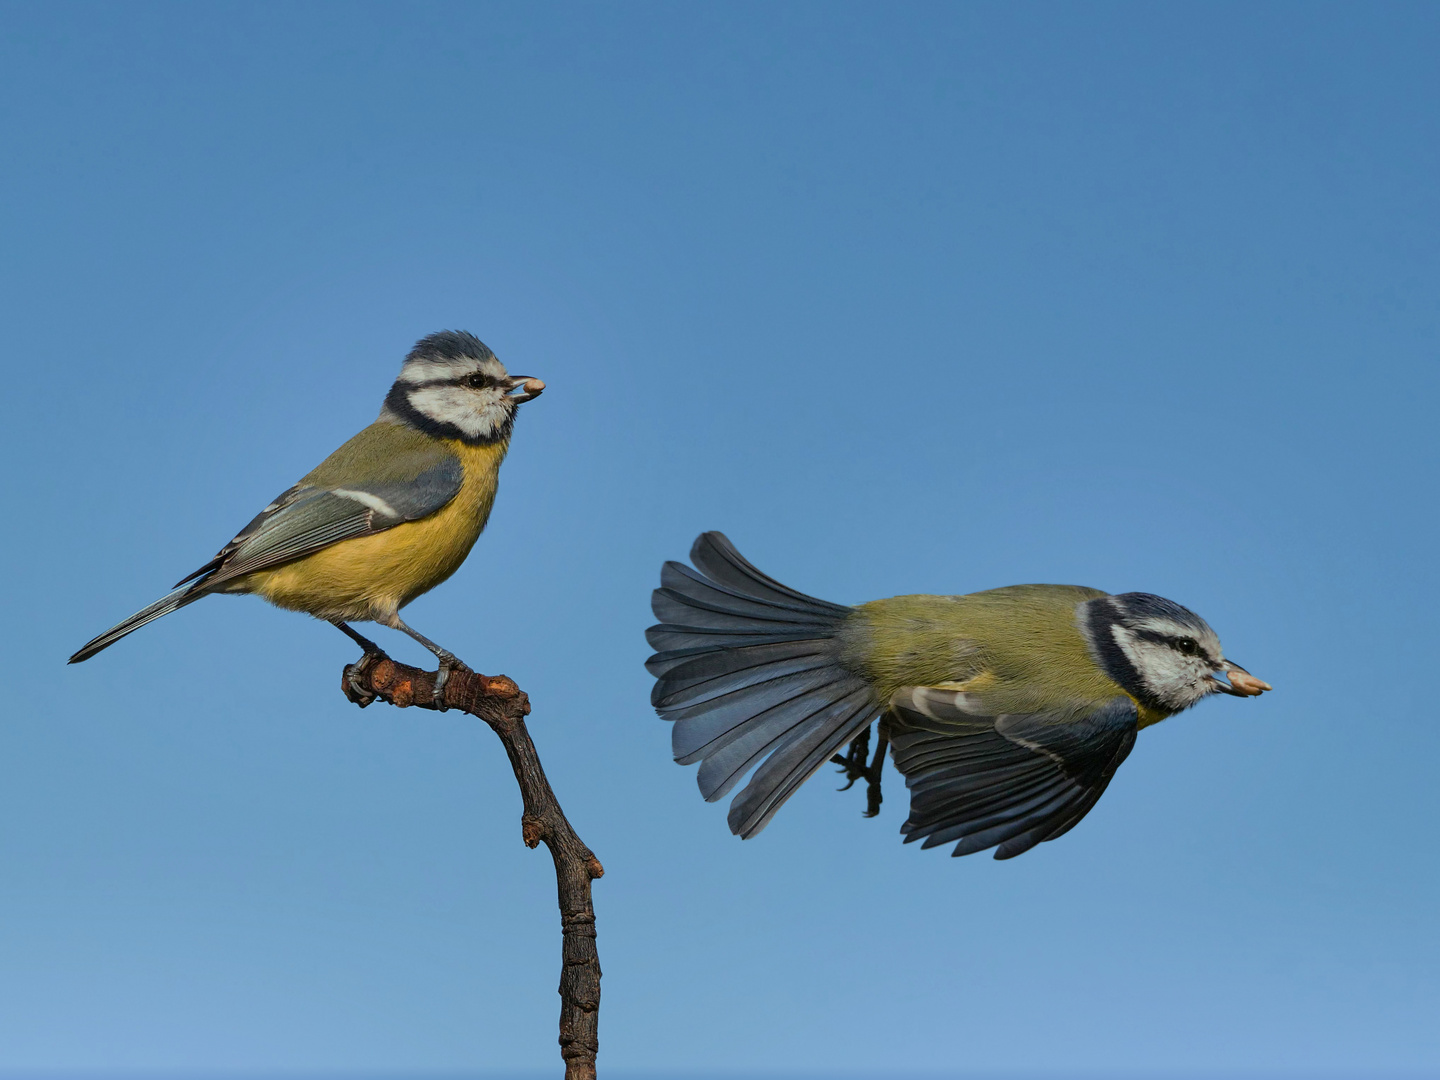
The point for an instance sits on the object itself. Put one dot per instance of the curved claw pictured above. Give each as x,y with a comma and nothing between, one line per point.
353,682
442,676
855,764
448,663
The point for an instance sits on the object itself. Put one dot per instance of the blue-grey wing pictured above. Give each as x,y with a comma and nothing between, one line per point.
307,518
1014,780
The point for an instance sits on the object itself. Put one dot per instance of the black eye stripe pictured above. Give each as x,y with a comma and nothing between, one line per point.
1182,644
1152,636
475,380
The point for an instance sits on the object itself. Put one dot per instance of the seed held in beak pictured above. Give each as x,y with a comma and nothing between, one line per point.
529,387
1242,683
1247,684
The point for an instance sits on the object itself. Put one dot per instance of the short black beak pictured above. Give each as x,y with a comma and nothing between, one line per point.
529,387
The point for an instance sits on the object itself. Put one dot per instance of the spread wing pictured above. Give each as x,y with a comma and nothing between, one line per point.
309,517
1011,780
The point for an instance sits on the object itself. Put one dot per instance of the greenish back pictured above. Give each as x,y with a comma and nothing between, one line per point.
1020,646
383,453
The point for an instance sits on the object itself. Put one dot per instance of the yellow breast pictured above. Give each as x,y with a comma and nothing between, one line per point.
377,575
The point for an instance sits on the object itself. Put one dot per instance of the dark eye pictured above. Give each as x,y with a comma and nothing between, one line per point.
1187,645
479,380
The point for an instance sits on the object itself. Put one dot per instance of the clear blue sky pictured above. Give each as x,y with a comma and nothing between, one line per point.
905,298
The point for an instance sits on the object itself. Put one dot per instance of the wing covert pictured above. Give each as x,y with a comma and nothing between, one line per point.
1014,781
307,518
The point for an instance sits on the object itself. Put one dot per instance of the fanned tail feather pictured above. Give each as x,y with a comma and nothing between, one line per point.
749,671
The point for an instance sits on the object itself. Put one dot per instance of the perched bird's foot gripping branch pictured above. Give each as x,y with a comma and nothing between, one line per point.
357,677
355,674
448,664
503,705
856,765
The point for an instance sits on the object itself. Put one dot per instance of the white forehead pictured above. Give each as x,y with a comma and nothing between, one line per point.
429,369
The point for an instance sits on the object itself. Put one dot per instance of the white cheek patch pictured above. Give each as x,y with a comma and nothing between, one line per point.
1176,679
479,415
1164,668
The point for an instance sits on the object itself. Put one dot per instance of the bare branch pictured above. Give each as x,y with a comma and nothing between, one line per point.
503,705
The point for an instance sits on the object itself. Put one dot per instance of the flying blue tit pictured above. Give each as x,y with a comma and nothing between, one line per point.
1007,711
389,515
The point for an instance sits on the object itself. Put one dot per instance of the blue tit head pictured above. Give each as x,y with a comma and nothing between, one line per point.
1162,654
453,387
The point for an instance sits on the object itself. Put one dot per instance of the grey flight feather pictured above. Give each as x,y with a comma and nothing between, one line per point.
166,604
749,671
1012,781
303,520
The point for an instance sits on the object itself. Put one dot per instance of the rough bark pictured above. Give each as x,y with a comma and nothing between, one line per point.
503,705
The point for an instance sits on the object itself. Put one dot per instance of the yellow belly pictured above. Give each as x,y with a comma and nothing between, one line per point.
375,576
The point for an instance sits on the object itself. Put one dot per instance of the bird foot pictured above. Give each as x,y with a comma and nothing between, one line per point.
855,763
448,664
354,677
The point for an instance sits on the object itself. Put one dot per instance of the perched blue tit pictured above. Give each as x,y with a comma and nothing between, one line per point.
389,515
1007,711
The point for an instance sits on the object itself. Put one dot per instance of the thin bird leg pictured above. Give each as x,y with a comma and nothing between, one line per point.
359,639
448,660
354,682
873,798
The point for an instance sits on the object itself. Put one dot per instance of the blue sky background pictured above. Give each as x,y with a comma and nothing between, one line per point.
920,298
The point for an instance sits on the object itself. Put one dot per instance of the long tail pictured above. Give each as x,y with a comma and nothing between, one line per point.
749,669
166,604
